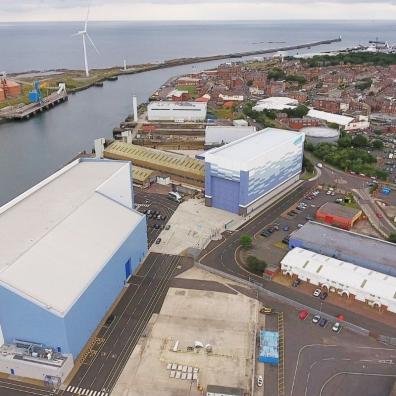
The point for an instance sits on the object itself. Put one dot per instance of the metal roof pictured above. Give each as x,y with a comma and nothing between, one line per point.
356,246
224,390
154,159
341,274
141,174
338,210
56,237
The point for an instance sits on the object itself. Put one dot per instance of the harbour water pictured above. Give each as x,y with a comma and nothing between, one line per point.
32,150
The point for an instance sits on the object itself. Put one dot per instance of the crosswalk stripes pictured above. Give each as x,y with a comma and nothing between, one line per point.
75,390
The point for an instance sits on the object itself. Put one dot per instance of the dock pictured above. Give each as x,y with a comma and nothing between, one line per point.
27,111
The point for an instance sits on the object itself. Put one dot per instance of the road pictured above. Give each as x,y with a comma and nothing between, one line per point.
222,256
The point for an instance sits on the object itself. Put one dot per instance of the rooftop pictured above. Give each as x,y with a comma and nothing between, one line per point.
330,117
342,272
339,210
156,159
43,232
349,243
253,146
164,104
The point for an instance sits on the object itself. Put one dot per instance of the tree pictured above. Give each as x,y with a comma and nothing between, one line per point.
245,241
392,238
276,74
308,165
378,144
360,141
378,132
345,141
256,265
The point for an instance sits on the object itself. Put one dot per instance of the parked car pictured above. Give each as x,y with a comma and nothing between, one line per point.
110,320
339,200
316,319
300,225
158,241
336,327
286,240
319,165
265,233
323,295
159,217
323,322
286,228
266,310
167,227
260,380
303,314
317,292
379,215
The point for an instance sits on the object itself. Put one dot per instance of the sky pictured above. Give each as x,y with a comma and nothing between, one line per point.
142,10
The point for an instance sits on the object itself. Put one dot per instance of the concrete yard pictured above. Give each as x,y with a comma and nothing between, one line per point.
226,321
193,225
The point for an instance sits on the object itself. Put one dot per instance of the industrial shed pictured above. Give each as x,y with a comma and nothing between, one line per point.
68,245
244,174
180,167
346,279
176,111
368,252
338,215
143,177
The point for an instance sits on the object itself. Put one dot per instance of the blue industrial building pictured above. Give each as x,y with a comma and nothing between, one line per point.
244,174
68,246
362,250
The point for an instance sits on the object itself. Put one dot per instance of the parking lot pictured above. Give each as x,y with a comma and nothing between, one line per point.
159,208
322,362
270,243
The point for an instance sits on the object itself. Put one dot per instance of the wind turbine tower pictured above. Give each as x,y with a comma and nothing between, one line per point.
86,36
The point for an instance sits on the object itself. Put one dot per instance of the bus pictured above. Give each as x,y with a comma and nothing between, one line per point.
174,196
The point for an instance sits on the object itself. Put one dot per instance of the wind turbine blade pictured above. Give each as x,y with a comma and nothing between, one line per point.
76,34
92,43
86,19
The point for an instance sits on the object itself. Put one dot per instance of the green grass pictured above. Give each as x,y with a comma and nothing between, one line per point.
190,89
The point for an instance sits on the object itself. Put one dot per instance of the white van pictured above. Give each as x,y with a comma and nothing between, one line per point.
175,196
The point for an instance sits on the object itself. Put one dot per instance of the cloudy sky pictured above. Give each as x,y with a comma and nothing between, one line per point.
66,10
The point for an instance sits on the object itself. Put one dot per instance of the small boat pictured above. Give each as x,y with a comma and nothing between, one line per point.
112,78
98,84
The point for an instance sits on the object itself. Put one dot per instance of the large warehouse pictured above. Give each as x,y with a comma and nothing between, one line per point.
68,245
371,253
347,279
180,167
176,111
244,174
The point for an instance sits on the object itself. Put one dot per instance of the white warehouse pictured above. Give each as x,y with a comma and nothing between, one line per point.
216,135
350,280
176,111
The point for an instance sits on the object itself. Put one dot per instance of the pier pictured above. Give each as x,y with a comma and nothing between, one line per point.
26,111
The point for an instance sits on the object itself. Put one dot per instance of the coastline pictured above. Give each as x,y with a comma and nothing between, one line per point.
101,75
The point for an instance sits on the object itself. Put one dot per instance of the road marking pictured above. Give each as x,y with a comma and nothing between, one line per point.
353,373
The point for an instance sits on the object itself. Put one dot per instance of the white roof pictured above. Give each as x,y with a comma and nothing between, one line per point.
242,153
165,104
176,92
350,276
56,237
276,103
330,117
226,134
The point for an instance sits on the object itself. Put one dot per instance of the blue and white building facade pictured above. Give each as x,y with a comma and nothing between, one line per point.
68,246
243,175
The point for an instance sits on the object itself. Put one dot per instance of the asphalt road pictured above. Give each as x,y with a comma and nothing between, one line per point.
221,255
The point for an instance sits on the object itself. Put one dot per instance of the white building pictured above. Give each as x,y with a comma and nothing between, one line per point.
218,135
344,278
332,118
176,111
276,103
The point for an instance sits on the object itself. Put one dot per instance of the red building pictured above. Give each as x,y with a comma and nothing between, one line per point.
338,215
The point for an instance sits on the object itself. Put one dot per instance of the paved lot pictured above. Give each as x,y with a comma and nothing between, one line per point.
155,202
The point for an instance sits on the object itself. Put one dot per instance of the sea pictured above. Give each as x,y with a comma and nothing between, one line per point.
32,150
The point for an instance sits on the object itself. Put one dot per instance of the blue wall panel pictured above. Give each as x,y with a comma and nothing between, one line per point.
22,319
91,307
225,194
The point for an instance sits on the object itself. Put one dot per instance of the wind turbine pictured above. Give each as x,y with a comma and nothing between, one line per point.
85,35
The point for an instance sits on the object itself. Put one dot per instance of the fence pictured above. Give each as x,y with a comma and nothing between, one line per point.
285,300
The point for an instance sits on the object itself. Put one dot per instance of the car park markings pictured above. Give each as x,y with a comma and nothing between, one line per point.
85,392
